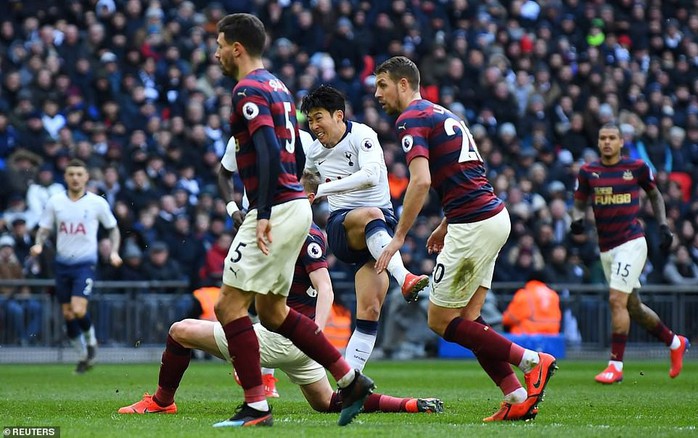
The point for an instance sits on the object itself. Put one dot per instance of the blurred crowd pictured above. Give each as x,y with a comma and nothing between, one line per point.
132,88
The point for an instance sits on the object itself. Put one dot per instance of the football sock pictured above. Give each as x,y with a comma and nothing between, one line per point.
377,403
617,364
500,371
306,335
361,343
88,329
243,347
261,406
517,396
675,343
662,332
529,361
618,341
377,237
175,360
269,371
72,328
77,341
483,341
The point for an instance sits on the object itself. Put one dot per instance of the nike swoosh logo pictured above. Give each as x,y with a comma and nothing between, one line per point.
537,383
362,352
320,162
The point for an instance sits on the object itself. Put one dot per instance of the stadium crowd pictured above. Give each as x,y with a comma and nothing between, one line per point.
132,88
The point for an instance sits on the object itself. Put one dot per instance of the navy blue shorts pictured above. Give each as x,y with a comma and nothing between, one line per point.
337,236
74,280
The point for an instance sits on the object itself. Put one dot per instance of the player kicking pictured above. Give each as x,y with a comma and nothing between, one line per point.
612,184
442,154
76,215
259,268
349,160
311,294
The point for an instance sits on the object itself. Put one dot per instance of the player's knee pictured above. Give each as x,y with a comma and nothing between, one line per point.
617,302
372,213
178,330
68,313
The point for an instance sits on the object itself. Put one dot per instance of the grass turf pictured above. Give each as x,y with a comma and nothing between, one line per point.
647,403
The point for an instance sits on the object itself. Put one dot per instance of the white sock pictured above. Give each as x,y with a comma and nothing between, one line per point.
518,396
359,349
617,364
675,343
529,361
90,338
375,245
262,406
269,371
347,379
78,344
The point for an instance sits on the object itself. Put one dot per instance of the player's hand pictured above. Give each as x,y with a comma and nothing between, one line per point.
238,218
577,227
263,235
435,242
115,259
387,254
36,250
666,237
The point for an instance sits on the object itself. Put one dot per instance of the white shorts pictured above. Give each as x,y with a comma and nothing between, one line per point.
248,269
275,351
467,260
623,265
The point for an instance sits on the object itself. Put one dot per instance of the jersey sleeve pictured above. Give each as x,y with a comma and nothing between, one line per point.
229,160
48,217
252,105
369,149
646,178
413,134
581,190
314,253
106,217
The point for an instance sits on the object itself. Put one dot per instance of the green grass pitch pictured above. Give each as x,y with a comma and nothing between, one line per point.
647,404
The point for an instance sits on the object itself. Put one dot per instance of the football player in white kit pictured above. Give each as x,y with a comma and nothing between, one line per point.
353,175
75,215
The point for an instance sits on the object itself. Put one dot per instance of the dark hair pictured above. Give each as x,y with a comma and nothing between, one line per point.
324,97
76,163
399,67
611,125
246,29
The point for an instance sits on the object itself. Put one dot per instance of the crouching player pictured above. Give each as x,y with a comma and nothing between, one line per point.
311,294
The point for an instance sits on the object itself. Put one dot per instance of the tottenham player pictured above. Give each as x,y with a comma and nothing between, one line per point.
75,215
442,154
311,294
349,160
612,184
259,267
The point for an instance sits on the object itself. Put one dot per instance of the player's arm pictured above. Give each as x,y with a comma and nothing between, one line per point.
41,236
268,163
226,188
659,208
370,159
320,278
115,238
416,194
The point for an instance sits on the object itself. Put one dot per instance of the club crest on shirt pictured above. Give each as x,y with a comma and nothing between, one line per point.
314,250
407,143
250,110
627,175
366,144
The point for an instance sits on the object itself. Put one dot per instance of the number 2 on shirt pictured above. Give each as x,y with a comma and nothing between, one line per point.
468,150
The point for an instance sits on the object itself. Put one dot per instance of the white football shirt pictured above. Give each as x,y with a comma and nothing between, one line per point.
76,224
358,148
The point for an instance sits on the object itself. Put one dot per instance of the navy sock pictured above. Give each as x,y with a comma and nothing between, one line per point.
73,328
367,327
375,226
85,322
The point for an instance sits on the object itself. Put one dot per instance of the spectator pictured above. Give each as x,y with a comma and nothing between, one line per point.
39,192
211,272
535,309
681,269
